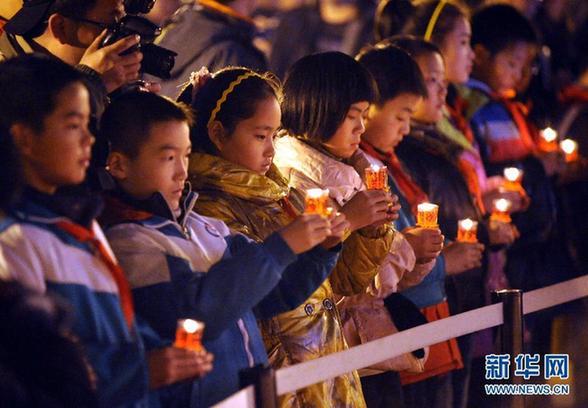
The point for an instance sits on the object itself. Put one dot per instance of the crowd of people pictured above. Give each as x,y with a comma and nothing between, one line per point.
136,195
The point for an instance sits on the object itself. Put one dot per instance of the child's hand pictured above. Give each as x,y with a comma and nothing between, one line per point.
339,226
462,256
427,243
171,364
305,232
370,207
502,233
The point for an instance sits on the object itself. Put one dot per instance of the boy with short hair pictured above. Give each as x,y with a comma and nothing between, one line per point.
52,243
183,265
503,41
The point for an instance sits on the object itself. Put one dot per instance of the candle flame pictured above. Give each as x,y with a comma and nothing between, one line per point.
502,204
426,207
192,326
316,193
568,146
467,224
549,134
512,173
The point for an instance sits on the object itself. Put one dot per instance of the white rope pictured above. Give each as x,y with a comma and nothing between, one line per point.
302,375
243,399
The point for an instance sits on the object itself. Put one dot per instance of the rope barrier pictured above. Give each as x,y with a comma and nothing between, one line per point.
302,375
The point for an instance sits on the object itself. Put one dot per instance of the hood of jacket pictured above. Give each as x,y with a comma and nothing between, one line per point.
194,28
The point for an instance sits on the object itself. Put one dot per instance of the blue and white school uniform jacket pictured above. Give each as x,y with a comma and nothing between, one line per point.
195,267
34,251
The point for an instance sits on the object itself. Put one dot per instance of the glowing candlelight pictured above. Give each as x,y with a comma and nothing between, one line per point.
548,140
189,334
376,177
317,201
501,210
467,230
570,149
514,178
427,215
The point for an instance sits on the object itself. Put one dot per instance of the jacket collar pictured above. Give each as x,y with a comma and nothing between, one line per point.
342,180
209,173
74,204
122,207
479,85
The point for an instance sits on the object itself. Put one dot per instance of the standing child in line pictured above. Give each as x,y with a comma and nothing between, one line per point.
238,115
322,151
53,243
401,88
183,265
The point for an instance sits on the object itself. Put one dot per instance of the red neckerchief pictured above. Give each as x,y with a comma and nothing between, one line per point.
457,114
470,177
518,112
87,236
409,189
574,94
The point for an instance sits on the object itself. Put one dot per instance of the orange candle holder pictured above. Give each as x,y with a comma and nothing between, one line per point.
548,140
514,179
376,178
467,231
317,202
501,210
189,335
427,214
570,149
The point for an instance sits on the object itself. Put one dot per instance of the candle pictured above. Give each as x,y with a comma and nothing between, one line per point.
376,177
548,140
467,230
427,215
514,177
189,334
317,201
570,149
501,210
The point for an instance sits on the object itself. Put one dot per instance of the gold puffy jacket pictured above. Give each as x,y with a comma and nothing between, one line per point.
252,204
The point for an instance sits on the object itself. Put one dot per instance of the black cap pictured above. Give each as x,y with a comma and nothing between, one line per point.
32,13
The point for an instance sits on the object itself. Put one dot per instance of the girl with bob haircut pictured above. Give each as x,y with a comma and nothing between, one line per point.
238,115
326,100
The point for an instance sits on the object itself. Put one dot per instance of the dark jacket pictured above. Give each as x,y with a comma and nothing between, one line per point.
300,30
203,36
431,162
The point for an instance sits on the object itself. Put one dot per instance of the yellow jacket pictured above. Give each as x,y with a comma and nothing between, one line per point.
253,204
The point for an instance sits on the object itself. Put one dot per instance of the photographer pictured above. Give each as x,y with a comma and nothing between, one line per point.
72,31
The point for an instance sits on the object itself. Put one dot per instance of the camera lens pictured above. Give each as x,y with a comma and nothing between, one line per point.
157,61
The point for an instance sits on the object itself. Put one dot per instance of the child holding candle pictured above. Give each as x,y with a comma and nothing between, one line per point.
182,265
52,243
237,116
387,123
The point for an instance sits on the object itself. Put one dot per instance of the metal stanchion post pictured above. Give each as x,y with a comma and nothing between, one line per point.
511,336
264,380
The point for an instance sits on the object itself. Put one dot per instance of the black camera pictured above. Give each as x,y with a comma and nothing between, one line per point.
157,61
138,6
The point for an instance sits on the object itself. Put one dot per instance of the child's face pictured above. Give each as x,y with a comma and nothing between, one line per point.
161,165
252,143
430,110
60,154
346,139
388,124
504,70
458,53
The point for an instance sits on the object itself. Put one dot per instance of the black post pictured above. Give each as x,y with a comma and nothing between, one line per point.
511,336
264,380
